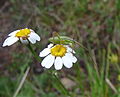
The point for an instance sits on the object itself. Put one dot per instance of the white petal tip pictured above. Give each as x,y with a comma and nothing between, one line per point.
38,39
45,52
69,66
74,59
57,68
50,45
40,55
4,45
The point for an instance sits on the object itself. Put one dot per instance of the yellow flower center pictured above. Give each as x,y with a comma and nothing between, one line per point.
58,50
23,33
114,58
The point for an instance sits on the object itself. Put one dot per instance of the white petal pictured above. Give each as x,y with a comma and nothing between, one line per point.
31,30
9,41
70,49
36,36
45,52
13,33
48,61
24,41
33,37
73,58
50,45
58,63
67,61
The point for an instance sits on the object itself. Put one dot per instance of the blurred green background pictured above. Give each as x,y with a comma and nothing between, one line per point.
93,23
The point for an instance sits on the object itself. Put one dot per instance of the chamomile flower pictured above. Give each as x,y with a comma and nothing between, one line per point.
24,35
58,55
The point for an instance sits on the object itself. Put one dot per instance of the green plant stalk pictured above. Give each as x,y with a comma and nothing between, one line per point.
64,90
91,57
33,52
79,76
21,82
107,63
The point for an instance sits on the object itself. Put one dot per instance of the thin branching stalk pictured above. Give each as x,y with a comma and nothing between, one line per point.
111,85
21,82
91,57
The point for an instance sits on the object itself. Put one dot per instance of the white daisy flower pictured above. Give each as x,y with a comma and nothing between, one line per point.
24,35
58,55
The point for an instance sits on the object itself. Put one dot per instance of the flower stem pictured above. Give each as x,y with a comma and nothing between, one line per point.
33,52
60,85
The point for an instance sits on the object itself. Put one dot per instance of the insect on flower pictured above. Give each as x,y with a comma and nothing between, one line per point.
58,55
24,35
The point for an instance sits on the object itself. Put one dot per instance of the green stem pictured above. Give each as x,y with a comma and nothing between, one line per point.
65,91
33,52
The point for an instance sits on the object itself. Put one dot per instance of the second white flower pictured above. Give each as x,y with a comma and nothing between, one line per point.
58,55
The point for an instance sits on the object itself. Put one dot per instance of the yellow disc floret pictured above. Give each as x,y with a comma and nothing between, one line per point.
23,33
58,51
113,58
